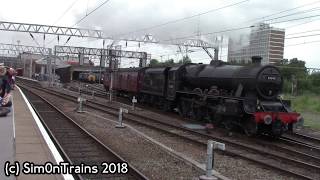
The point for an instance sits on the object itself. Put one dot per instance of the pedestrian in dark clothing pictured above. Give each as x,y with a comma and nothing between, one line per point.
5,87
11,77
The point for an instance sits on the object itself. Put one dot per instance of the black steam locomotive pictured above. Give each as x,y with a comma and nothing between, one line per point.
229,95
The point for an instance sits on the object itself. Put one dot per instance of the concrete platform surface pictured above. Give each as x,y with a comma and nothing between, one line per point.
7,151
21,140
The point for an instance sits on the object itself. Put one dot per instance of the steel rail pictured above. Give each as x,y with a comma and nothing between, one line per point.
133,172
220,139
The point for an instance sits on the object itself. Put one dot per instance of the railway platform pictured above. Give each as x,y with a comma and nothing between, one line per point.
24,139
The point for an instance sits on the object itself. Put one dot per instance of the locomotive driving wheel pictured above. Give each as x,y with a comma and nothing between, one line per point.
183,108
197,112
250,127
166,106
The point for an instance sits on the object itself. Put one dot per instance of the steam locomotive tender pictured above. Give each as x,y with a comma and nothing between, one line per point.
229,95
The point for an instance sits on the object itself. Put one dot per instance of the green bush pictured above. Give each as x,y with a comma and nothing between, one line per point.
286,87
309,107
308,102
304,86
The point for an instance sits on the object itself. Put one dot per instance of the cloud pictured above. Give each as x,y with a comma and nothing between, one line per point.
122,16
118,18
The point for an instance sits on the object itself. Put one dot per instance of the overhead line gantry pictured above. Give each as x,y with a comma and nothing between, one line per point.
17,49
90,33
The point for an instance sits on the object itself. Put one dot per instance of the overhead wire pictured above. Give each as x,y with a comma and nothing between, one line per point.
182,19
232,5
107,1
66,11
295,19
235,29
308,42
61,16
231,29
310,21
299,12
278,22
303,32
210,33
32,37
309,35
281,12
240,28
35,42
88,14
247,27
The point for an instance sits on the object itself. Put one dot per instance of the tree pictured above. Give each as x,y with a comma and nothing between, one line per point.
293,68
284,62
186,59
154,63
169,62
315,79
295,71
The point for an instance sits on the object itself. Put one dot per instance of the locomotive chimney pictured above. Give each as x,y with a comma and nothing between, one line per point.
256,59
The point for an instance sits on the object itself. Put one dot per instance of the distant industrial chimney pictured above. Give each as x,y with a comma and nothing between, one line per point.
256,59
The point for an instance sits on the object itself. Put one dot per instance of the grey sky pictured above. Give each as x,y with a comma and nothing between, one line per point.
122,16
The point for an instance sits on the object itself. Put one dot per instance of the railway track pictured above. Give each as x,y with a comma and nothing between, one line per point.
78,145
302,165
303,139
89,89
309,149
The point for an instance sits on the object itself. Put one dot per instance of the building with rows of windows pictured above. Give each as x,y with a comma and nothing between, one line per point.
263,40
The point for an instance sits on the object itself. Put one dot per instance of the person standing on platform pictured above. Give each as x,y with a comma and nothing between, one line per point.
11,77
5,88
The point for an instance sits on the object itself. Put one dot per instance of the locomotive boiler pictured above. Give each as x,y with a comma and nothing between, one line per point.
266,81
